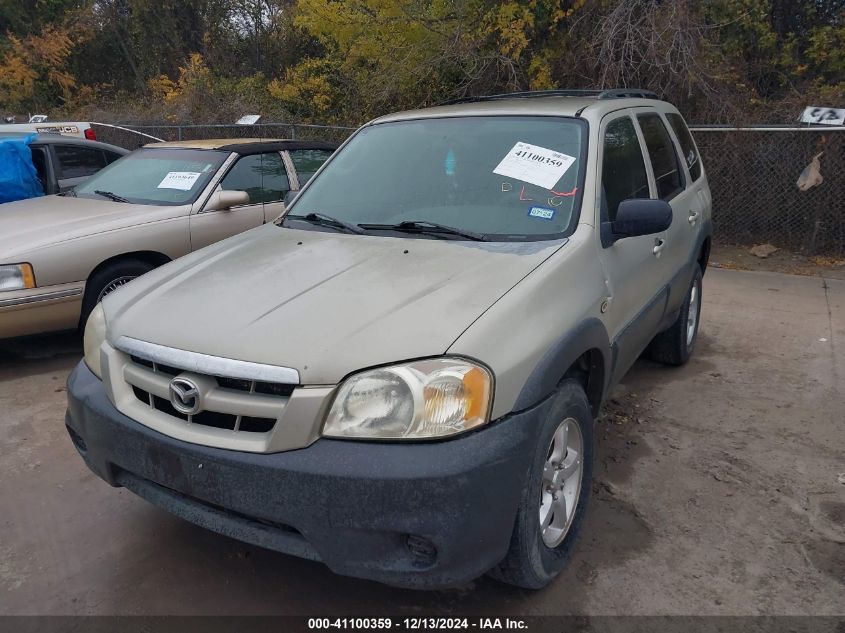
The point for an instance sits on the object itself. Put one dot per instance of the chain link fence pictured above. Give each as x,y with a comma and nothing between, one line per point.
752,173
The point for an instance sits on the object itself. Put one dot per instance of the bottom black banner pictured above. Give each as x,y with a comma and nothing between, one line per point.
405,624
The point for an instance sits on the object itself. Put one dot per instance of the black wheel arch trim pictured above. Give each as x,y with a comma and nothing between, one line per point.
547,374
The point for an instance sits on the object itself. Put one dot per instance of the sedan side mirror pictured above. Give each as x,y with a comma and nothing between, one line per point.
637,216
225,200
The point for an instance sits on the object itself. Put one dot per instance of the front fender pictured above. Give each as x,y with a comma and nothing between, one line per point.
589,335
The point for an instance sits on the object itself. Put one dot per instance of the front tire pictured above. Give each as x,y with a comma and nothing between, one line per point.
675,345
107,280
555,498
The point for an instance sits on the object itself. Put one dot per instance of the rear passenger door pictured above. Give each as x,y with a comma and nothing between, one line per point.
671,179
634,274
263,178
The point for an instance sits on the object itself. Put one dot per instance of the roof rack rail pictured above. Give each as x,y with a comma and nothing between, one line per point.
627,93
615,93
525,95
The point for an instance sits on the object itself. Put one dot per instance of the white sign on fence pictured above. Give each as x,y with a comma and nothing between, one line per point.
248,119
825,116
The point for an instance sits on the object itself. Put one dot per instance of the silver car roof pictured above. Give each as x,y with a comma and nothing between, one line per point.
587,107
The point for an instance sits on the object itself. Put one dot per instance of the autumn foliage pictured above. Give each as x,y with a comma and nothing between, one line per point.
349,60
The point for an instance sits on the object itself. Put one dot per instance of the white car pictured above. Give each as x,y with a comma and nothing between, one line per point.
65,128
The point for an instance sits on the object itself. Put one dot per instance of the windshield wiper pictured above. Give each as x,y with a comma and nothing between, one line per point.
423,226
110,195
326,220
70,192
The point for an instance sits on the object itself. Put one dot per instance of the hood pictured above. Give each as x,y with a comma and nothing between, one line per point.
324,303
31,224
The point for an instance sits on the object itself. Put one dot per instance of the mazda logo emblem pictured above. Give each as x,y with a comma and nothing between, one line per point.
185,396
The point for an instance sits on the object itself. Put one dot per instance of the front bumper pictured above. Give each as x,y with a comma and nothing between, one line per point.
433,514
37,310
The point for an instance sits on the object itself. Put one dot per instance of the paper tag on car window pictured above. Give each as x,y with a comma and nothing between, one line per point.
182,180
535,165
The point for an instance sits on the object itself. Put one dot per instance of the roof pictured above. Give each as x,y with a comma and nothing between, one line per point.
46,138
246,145
549,104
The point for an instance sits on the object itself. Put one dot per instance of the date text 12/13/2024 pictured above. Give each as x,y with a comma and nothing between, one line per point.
415,624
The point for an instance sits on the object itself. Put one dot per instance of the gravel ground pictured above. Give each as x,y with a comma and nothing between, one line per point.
720,489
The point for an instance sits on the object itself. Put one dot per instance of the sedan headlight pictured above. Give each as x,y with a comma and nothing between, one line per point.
16,277
95,334
418,400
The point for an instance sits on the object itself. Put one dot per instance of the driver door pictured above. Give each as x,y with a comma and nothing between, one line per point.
633,270
262,176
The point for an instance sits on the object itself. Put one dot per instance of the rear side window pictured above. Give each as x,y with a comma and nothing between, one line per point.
664,158
623,173
307,162
39,159
78,162
687,145
262,176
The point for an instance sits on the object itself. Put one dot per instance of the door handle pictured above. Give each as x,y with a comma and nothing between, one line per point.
659,243
693,217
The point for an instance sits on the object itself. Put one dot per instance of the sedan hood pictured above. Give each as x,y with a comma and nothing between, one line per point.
31,224
323,303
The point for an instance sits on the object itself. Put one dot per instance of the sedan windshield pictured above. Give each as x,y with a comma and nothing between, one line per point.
498,178
156,176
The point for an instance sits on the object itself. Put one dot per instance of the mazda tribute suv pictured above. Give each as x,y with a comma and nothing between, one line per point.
399,376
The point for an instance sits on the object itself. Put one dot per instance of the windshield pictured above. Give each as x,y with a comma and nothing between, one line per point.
155,176
503,177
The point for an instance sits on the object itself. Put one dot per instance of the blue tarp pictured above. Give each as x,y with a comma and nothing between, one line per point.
18,178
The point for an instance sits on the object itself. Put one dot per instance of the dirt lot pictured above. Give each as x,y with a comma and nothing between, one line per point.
779,261
720,490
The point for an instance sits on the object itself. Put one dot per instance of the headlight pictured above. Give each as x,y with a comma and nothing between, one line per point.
418,400
16,277
95,334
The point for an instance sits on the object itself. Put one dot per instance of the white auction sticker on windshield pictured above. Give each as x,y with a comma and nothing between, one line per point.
182,180
533,164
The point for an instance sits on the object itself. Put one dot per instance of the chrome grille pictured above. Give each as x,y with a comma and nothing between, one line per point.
236,384
234,404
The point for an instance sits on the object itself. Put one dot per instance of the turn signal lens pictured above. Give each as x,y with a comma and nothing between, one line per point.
16,277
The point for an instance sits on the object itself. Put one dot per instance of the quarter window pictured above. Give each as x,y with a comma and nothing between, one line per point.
623,168
664,158
687,145
307,162
262,176
78,162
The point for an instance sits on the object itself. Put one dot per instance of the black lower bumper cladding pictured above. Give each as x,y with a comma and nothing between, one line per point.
426,515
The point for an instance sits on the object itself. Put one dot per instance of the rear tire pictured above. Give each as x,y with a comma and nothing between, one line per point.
675,345
537,555
107,280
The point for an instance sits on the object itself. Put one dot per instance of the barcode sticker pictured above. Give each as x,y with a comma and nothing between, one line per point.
535,165
182,180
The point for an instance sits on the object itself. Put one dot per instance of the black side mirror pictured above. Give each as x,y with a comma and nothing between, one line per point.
637,216
289,197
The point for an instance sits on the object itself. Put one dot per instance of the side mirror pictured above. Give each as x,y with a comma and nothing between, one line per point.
637,216
224,200
290,196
